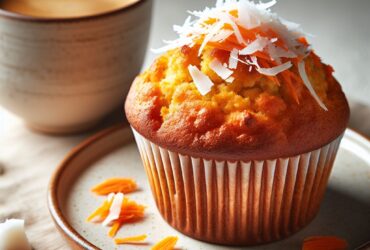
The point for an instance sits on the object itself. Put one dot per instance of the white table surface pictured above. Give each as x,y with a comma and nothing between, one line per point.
342,29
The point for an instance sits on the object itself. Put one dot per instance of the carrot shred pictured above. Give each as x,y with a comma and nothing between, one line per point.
225,45
261,55
210,21
115,185
234,13
167,243
130,212
102,211
114,229
280,43
329,70
249,34
286,75
131,239
303,40
324,243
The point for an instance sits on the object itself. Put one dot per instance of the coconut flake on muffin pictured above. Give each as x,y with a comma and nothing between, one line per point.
254,36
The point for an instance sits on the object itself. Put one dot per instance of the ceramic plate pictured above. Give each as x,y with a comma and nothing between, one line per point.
345,211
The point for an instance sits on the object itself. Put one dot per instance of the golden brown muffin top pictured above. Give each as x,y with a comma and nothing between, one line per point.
248,116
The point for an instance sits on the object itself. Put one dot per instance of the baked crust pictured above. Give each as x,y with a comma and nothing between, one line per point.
269,125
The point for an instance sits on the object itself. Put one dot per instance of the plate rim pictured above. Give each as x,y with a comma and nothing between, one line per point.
58,218
54,208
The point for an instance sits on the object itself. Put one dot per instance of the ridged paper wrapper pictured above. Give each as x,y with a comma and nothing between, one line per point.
237,202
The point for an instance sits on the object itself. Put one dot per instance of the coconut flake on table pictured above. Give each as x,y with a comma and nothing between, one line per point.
115,209
201,81
13,235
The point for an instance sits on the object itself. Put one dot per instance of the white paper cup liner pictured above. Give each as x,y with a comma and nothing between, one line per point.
237,202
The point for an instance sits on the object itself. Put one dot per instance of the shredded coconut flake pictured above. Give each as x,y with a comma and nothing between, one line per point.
275,70
220,69
230,79
216,28
235,24
239,60
306,81
173,45
249,19
257,45
114,210
202,81
290,25
219,3
222,36
276,53
184,28
233,60
226,18
110,196
267,5
254,62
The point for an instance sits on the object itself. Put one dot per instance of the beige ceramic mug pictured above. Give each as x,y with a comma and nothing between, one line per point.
63,75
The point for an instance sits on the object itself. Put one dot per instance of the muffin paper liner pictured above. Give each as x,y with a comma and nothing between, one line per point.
237,202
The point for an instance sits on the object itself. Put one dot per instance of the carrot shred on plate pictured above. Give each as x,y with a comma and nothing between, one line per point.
102,211
324,243
130,212
115,185
114,229
167,243
131,239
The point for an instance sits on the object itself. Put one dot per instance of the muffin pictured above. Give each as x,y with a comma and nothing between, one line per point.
238,124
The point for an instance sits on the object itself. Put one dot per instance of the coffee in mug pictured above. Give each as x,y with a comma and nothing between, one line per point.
62,8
